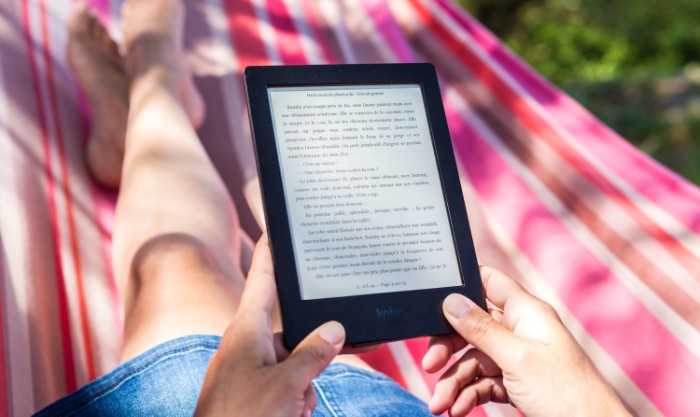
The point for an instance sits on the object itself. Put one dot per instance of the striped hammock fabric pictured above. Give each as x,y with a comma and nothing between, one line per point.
555,198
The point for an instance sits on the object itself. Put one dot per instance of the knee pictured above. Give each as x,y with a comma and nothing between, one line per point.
167,256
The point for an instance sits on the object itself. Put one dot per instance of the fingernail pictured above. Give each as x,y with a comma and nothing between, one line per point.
333,333
456,305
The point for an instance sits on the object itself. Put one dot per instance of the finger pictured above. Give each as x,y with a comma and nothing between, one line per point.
478,328
281,351
309,401
533,316
481,391
440,351
259,293
252,322
316,351
473,365
500,288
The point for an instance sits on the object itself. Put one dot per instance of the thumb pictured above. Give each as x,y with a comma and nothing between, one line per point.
316,351
479,329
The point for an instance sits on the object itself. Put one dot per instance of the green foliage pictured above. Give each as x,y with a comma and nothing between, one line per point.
596,40
634,64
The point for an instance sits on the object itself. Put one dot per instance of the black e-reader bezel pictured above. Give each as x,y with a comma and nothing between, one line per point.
375,318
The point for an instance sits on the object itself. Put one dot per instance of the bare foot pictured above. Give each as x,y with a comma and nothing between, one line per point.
95,61
153,36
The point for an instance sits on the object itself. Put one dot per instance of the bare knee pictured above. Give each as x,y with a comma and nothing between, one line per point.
175,289
170,257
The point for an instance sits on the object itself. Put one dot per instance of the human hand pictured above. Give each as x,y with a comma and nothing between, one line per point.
520,353
252,374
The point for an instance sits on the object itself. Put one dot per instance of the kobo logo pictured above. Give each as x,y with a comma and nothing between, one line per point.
388,312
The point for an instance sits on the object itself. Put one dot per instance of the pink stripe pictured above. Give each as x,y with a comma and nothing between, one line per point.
102,8
385,25
650,179
63,315
581,280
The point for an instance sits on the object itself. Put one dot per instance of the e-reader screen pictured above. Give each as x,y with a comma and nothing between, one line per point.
366,210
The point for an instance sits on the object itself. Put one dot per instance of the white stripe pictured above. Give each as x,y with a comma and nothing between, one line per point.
687,237
15,262
678,326
409,370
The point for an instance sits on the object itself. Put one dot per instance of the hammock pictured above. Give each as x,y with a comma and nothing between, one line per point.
555,198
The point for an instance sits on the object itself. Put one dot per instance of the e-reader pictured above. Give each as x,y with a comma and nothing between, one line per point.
363,204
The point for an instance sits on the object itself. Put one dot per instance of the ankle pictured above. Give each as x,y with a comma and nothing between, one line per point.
151,50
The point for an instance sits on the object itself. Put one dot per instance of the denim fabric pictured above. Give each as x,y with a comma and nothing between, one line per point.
166,380
345,391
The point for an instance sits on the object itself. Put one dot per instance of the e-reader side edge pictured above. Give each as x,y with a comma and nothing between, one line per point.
340,150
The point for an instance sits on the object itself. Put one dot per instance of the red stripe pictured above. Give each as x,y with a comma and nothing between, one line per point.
73,235
64,321
245,33
536,124
288,44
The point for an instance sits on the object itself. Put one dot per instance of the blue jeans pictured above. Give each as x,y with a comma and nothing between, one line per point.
166,380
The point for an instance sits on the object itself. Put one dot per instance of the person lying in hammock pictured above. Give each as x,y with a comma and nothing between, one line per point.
198,334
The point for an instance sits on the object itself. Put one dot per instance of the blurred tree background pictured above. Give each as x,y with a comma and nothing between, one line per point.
634,64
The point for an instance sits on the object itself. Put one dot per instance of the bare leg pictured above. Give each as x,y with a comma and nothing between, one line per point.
176,241
177,238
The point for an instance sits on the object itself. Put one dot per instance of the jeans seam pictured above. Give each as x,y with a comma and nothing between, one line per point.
330,405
